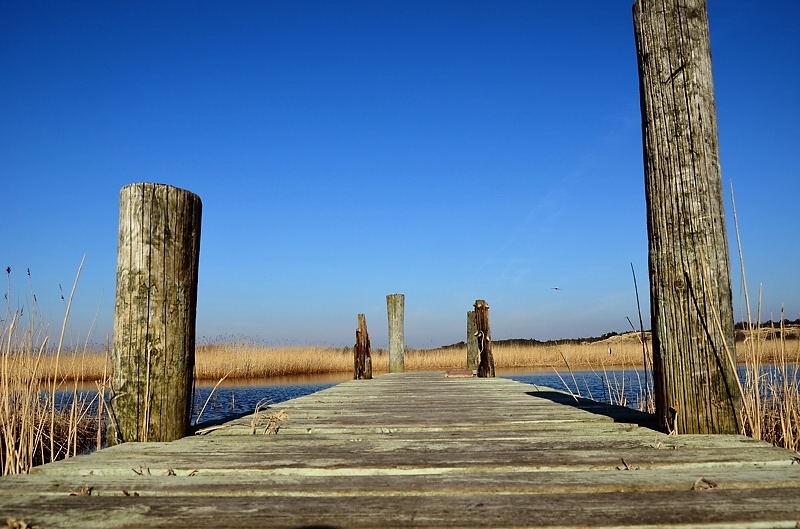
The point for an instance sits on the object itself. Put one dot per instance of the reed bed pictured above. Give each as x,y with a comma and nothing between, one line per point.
596,355
249,360
771,390
771,396
85,366
43,416
35,428
243,360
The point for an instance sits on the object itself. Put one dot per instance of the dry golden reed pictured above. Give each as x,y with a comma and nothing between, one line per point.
245,360
42,417
87,366
241,360
770,389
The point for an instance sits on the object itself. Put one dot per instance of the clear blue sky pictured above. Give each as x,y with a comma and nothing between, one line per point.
348,150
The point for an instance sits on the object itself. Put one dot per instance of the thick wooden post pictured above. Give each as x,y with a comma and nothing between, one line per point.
484,339
362,368
395,311
692,316
472,341
154,313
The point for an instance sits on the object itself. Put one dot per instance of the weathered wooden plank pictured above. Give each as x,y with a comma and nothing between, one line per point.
765,508
162,482
396,459
552,464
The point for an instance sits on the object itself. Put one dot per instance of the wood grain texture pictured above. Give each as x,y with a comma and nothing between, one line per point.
691,308
395,311
362,359
472,342
154,316
483,335
406,450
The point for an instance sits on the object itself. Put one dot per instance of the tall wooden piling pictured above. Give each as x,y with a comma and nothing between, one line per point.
154,313
472,341
691,311
362,360
484,338
395,306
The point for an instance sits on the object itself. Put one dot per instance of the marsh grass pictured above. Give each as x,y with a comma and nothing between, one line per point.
43,415
771,393
770,386
245,360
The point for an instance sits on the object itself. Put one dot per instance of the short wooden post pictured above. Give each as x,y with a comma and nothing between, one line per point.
154,313
484,339
395,312
694,364
472,341
362,360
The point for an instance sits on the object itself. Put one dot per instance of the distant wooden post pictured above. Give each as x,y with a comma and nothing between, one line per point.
154,313
362,360
484,339
691,311
394,309
472,341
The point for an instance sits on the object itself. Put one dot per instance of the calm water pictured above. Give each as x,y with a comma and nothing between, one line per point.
233,399
627,387
624,387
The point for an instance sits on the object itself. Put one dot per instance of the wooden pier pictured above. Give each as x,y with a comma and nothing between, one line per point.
420,450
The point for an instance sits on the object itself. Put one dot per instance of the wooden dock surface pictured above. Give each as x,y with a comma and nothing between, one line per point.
420,450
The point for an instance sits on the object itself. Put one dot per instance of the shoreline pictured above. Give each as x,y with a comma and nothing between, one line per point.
251,362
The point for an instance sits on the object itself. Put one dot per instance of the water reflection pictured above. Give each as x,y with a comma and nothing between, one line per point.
232,398
634,387
625,387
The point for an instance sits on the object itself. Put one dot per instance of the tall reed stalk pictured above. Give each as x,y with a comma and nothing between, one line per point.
770,391
42,419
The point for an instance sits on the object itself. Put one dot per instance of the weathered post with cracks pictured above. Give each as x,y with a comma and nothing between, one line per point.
395,312
154,313
484,339
472,341
362,360
694,364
